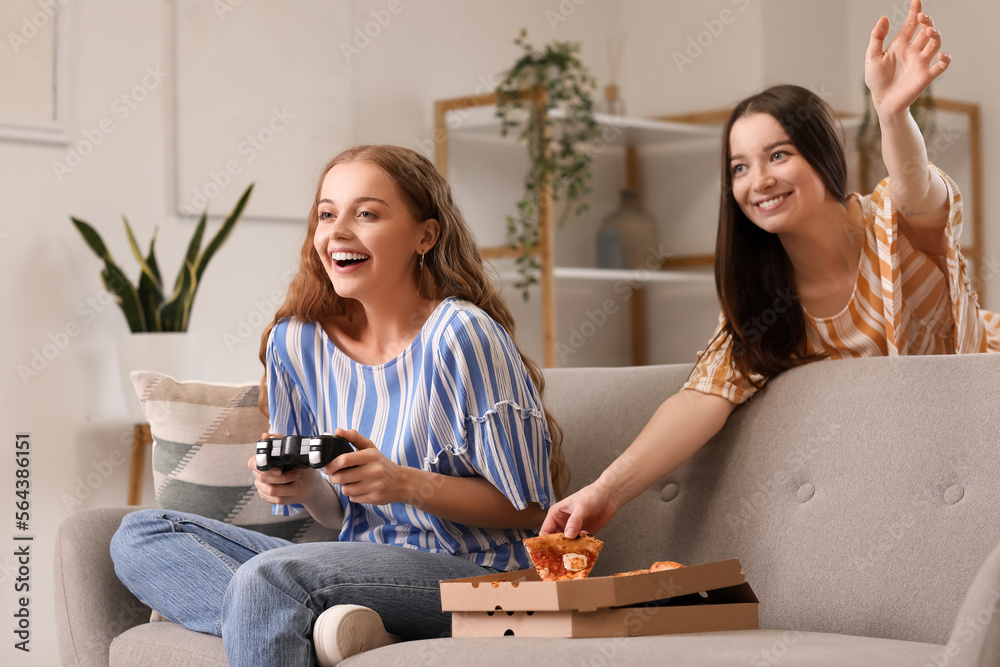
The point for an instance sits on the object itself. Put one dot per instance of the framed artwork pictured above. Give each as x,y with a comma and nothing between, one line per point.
34,71
262,95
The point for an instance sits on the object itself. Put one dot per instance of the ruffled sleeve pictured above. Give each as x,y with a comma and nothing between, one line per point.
968,326
485,414
714,372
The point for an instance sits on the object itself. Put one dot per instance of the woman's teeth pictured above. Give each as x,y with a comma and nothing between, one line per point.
771,203
347,258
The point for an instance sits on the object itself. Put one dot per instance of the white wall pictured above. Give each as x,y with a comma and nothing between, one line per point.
74,407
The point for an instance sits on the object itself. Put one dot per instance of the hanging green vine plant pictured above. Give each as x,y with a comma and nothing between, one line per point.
560,135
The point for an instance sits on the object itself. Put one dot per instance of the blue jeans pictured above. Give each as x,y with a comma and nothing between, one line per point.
262,594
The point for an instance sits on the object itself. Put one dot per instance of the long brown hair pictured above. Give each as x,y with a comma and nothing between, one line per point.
453,267
753,273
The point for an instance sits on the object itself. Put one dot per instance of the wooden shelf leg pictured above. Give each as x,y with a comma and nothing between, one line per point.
637,304
140,439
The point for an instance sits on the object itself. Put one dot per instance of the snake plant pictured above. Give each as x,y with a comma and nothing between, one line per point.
146,305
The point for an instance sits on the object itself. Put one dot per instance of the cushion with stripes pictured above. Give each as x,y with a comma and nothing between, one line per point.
203,435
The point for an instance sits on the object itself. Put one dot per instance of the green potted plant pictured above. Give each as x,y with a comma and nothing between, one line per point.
146,306
158,319
559,130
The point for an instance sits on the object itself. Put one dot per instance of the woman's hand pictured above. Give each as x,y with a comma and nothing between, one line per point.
590,508
367,476
899,74
284,488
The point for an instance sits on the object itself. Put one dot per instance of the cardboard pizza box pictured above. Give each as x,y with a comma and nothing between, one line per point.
697,598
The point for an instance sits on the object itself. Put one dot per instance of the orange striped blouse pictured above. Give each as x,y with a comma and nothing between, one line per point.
904,302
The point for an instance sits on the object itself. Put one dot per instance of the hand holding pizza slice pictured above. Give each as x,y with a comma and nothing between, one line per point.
557,557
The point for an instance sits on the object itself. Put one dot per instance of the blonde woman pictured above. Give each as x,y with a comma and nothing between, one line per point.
392,336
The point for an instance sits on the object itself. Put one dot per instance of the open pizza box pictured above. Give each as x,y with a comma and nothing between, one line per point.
697,598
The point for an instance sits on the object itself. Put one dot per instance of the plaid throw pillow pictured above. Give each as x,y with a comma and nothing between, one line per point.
203,435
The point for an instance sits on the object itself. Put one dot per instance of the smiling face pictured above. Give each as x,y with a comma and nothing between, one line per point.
773,184
366,236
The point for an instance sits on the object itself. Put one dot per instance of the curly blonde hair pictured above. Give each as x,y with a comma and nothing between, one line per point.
453,267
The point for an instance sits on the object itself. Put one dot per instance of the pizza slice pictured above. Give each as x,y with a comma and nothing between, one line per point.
557,557
662,565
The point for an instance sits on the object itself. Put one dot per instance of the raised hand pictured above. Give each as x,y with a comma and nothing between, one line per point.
897,75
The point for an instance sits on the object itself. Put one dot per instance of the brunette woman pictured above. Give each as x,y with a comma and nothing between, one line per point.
806,270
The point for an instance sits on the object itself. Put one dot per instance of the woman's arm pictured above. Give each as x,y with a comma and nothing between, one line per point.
678,428
367,476
896,77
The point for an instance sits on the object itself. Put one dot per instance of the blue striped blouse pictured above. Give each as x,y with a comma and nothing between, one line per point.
458,401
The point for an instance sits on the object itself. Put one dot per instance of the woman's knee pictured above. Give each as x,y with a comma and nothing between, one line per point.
269,580
136,527
128,544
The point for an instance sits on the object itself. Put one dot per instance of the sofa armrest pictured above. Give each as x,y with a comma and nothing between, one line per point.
92,605
975,637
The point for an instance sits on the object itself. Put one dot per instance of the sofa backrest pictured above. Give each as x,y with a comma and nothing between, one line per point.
861,496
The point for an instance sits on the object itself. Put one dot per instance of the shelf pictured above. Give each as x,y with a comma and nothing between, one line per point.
633,275
481,124
472,122
626,275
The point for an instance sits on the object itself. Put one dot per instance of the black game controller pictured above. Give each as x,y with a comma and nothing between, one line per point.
300,451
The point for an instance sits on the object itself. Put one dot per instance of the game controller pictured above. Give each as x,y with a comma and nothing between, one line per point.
300,451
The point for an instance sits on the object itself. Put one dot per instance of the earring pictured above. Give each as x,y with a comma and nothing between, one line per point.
421,262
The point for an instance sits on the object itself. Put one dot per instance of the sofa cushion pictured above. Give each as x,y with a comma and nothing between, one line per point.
756,648
203,436
169,643
166,643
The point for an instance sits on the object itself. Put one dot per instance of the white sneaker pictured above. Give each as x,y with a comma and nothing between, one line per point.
348,629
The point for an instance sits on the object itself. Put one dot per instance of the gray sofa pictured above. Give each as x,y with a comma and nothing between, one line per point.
861,497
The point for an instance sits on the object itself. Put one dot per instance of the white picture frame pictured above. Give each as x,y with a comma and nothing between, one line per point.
265,72
34,71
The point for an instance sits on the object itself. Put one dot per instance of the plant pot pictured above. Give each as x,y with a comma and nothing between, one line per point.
175,354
